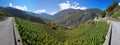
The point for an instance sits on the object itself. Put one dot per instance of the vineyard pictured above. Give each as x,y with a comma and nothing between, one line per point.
89,33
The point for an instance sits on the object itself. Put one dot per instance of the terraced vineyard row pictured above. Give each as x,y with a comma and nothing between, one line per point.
89,33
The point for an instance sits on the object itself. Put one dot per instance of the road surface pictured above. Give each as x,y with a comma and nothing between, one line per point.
6,32
115,37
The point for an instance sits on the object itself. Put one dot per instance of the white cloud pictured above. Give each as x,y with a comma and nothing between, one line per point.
75,4
53,13
82,8
40,11
67,5
10,4
24,8
119,4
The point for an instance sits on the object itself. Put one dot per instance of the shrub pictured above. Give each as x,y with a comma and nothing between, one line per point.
116,15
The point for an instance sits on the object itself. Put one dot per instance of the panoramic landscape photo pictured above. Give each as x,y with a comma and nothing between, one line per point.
59,22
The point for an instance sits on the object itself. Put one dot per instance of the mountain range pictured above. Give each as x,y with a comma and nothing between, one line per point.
68,17
25,15
45,15
73,17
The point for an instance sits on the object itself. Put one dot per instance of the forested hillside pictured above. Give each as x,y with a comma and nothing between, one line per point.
112,11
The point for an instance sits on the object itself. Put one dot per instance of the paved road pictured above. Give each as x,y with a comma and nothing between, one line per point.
115,39
6,32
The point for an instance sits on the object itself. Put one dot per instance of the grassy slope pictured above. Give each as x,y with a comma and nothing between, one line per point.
116,15
2,15
38,34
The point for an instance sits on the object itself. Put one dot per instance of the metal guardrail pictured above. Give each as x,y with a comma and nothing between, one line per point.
17,38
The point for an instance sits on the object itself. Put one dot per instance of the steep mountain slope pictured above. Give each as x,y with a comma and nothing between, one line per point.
2,14
72,17
31,17
25,15
113,8
62,15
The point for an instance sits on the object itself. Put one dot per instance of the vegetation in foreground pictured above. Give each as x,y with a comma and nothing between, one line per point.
89,33
2,15
116,15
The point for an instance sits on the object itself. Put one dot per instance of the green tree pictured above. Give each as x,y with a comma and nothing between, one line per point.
111,9
103,13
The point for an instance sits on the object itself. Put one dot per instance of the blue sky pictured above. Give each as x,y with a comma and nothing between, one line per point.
53,6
